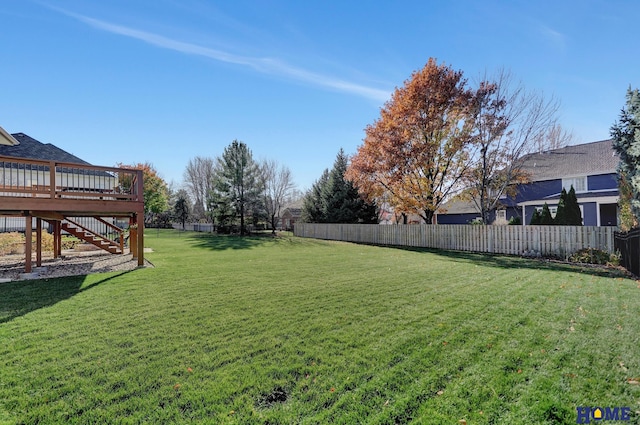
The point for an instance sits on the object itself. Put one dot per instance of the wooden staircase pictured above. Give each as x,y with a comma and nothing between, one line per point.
90,236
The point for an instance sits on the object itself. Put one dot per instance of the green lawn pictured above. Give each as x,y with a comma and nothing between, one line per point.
284,331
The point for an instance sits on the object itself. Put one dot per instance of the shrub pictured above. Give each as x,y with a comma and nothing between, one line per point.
595,256
535,218
47,241
545,216
515,221
70,242
11,243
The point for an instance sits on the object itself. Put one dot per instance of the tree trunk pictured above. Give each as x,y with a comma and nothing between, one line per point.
242,232
428,217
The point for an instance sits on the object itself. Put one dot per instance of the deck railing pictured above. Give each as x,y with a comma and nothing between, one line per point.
59,180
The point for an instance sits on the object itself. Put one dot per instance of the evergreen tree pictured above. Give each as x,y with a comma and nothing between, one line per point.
545,216
572,209
181,207
561,213
535,218
333,199
237,184
313,208
343,202
626,142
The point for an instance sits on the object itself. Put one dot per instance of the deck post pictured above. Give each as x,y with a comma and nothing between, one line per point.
140,238
38,242
52,179
27,244
57,237
59,231
133,238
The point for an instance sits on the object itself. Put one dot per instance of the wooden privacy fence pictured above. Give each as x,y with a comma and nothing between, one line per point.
512,240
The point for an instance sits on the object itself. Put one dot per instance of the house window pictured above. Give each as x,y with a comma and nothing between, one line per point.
501,215
578,183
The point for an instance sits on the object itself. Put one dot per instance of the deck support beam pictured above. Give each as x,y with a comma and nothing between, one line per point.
38,242
27,243
140,238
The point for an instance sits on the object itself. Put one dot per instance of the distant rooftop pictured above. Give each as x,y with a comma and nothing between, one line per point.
577,160
30,148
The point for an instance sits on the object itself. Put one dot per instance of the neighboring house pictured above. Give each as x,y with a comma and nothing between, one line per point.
289,217
386,215
590,168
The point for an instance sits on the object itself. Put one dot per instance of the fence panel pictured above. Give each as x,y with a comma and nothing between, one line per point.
512,240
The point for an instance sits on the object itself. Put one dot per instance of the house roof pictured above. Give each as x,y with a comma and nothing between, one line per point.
295,212
30,148
6,139
572,161
459,205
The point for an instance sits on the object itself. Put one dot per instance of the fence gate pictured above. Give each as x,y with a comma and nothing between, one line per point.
628,243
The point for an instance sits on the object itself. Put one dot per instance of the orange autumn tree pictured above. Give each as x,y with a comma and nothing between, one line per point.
156,190
416,153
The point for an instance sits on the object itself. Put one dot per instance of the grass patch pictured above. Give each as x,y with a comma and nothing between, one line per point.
269,330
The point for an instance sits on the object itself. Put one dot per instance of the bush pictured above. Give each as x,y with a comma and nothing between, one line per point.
535,218
595,256
545,216
11,243
515,221
70,242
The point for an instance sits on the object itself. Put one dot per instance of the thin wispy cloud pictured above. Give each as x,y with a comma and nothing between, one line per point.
264,65
555,37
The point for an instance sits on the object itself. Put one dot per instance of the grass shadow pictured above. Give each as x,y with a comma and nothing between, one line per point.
514,262
235,242
18,298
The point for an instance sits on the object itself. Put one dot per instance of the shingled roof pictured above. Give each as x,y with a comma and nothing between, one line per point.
577,160
30,148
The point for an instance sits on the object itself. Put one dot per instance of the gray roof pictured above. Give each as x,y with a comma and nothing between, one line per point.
572,161
459,206
30,148
295,212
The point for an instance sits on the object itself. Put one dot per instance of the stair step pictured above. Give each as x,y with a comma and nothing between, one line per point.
92,238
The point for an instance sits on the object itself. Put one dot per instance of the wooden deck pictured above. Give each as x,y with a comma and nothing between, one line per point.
51,191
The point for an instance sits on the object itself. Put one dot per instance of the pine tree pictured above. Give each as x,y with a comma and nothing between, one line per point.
313,207
545,216
333,199
181,208
237,184
626,142
561,213
343,202
572,209
535,218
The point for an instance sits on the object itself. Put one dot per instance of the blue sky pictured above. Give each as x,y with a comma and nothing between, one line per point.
164,81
